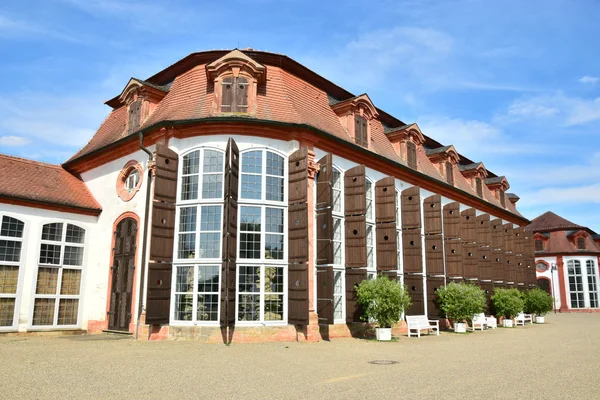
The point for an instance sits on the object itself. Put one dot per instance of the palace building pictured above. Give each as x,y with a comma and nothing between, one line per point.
239,196
566,261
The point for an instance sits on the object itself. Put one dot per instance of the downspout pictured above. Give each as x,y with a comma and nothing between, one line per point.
145,234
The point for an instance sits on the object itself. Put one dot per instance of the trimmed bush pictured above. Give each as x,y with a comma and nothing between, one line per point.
382,300
460,301
508,302
537,302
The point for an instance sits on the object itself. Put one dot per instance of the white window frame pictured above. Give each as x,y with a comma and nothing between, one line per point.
132,179
196,262
263,262
580,294
61,267
338,214
370,222
592,283
19,264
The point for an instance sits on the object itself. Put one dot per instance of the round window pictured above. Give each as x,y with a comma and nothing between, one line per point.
542,267
129,180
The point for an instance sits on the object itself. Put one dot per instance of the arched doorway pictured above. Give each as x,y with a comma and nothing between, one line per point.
544,284
122,274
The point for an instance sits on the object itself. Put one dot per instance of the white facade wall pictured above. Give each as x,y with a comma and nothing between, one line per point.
553,277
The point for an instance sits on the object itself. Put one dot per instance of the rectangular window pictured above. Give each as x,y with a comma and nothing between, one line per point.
337,191
360,131
592,283
479,187
338,304
539,245
369,196
337,241
449,174
196,293
411,155
370,246
260,293
580,243
250,232
202,173
274,233
502,198
575,284
203,239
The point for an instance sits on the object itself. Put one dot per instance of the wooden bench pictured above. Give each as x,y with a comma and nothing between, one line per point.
523,318
420,322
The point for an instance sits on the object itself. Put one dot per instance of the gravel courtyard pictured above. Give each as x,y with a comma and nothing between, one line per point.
557,360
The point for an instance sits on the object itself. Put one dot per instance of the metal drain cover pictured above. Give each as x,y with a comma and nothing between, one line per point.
383,362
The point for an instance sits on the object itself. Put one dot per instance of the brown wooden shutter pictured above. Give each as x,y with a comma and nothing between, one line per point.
229,242
412,251
411,155
449,173
324,211
502,198
135,115
521,269
355,195
298,237
469,254
411,208
484,257
353,278
227,88
498,265
484,234
162,234
356,241
433,214
357,130
497,234
385,200
453,255
365,138
452,220
325,281
531,277
241,94
509,268
434,255
433,309
488,288
468,226
414,284
509,241
539,245
519,240
387,251
479,187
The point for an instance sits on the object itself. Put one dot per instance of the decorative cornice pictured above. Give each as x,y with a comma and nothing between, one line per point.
356,104
236,60
443,154
405,132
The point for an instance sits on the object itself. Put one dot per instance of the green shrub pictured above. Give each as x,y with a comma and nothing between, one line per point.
508,302
382,300
537,302
459,301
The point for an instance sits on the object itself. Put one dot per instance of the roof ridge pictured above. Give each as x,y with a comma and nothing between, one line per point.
30,161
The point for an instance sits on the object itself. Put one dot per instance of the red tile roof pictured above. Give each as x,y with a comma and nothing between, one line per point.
549,221
558,242
38,182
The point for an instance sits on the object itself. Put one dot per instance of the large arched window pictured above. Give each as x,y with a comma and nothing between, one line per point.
198,253
592,283
58,283
575,284
262,246
11,243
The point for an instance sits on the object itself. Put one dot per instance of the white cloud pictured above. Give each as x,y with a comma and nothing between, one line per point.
15,27
575,195
591,80
14,141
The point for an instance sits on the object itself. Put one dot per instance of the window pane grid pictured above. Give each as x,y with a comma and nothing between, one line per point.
337,296
197,301
575,284
11,227
337,241
592,283
10,250
337,191
369,196
370,245
7,311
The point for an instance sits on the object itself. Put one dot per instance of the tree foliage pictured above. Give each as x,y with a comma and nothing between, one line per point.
537,302
382,300
508,302
460,301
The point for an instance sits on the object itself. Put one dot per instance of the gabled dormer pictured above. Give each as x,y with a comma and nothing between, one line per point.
498,185
140,98
236,78
539,242
578,238
406,140
475,173
444,158
355,115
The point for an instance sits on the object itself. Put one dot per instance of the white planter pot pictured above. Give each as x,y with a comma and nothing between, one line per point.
539,319
507,323
383,334
460,327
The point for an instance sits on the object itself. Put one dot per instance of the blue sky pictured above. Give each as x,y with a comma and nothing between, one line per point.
513,84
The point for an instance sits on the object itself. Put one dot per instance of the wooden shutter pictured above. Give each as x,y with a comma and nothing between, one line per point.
412,251
355,195
453,254
365,140
449,173
469,254
229,242
325,281
497,234
357,130
479,187
498,265
414,284
356,241
468,226
484,257
484,234
353,278
324,211
162,234
509,240
227,94
488,288
411,208
521,269
452,220
433,309
502,198
298,237
411,155
241,94
385,200
434,255
531,277
387,251
433,214
135,115
510,272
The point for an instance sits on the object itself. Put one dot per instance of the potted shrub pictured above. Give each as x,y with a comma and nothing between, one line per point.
538,302
508,303
459,302
383,300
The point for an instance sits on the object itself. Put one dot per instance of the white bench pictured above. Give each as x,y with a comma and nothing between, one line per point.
419,323
480,321
523,318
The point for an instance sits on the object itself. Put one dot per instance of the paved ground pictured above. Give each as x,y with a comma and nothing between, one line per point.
560,359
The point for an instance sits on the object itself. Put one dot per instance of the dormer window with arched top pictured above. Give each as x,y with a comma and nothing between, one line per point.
234,97
355,115
411,155
360,131
406,140
141,98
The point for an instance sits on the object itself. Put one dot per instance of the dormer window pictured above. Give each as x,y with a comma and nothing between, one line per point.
360,131
234,94
449,173
411,155
479,187
135,113
539,245
580,243
502,199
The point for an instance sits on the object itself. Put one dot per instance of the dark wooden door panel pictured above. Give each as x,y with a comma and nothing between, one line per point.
468,226
434,255
452,220
387,250
497,234
433,307
355,198
356,241
484,257
484,234
385,200
325,286
432,210
298,294
411,208
453,254
325,182
412,251
470,267
324,236
353,278
414,284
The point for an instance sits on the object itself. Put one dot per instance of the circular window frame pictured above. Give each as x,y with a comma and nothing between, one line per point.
122,192
541,262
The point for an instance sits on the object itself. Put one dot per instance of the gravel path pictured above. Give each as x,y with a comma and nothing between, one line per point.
557,360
